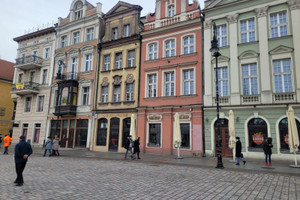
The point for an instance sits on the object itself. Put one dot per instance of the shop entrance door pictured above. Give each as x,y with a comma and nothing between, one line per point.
114,134
64,136
71,133
226,151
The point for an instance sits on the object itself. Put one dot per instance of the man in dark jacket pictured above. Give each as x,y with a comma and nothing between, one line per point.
22,151
238,151
267,146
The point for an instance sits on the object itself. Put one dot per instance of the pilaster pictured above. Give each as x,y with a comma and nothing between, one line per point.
207,64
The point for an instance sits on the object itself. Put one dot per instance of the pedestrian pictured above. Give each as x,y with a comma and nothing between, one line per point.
0,141
48,145
55,147
128,146
136,147
267,146
7,141
22,151
238,151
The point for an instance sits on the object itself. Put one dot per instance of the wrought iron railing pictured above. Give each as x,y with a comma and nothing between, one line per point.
29,60
26,86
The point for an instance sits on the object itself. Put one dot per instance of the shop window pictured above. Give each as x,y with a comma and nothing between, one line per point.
154,135
81,133
284,134
257,132
185,135
101,132
126,130
53,132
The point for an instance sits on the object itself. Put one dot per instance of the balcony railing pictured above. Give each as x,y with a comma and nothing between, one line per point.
29,62
67,76
284,97
25,88
250,99
65,110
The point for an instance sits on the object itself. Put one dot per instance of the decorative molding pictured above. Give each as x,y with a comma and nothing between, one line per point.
261,12
105,81
73,52
248,54
281,49
154,117
220,59
84,80
232,18
184,116
130,78
294,4
87,48
117,80
208,24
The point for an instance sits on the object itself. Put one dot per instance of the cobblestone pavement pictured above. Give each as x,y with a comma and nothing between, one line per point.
91,178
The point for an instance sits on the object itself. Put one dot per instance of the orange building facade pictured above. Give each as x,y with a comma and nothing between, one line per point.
171,78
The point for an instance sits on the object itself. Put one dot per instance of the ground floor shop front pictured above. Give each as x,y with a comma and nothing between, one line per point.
253,124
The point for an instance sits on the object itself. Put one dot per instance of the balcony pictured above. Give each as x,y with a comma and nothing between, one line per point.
29,62
284,97
25,88
250,99
65,110
67,76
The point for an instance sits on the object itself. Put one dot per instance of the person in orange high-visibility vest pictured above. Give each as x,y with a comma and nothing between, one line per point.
7,141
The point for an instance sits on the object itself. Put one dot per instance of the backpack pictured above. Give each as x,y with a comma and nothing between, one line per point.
126,143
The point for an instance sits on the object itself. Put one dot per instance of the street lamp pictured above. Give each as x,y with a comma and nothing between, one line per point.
215,51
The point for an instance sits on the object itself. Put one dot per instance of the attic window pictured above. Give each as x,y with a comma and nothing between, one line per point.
78,10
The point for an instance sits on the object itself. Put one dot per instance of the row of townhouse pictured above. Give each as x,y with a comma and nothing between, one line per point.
86,78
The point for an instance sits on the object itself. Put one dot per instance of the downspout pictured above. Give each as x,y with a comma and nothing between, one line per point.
203,128
140,60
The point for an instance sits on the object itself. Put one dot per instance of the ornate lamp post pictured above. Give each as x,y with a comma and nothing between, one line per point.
215,51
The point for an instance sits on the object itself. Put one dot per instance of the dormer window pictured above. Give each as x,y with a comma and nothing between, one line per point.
114,33
78,10
171,11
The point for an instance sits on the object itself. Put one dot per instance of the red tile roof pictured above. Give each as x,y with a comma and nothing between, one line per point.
6,70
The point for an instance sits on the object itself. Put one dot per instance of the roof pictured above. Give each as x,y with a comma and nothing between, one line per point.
6,70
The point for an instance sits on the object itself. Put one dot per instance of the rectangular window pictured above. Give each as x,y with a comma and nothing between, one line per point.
169,83
126,30
282,76
44,76
129,91
106,63
34,53
32,76
222,35
171,11
185,135
90,34
152,85
223,81
117,93
76,36
118,60
20,78
278,23
27,107
131,58
25,130
170,48
247,30
63,41
74,64
47,53
114,33
154,135
88,62
188,82
249,73
152,51
188,44
37,131
85,96
104,94
40,104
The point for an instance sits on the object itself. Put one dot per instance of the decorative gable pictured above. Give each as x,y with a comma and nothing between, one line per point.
220,59
248,54
120,7
281,49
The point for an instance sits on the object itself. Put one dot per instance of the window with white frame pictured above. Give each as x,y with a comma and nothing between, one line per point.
152,51
223,81
78,10
129,91
44,76
282,76
247,30
63,41
27,106
278,23
171,11
170,48
117,93
47,52
118,60
114,33
188,44
76,37
85,96
74,64
222,35
40,103
37,131
131,58
169,83
88,62
152,85
32,76
188,82
106,62
104,94
126,31
34,53
250,84
89,34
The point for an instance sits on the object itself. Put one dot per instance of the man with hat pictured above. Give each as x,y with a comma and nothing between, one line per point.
22,151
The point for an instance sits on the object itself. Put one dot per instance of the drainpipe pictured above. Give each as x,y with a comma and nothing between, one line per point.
203,128
140,60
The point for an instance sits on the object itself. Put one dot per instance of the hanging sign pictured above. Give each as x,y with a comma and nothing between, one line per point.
258,138
19,86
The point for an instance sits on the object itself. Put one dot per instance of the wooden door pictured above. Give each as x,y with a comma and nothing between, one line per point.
226,151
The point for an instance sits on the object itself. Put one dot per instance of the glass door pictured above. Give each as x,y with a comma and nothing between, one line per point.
71,133
64,133
114,134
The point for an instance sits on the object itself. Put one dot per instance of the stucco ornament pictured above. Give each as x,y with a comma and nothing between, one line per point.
105,81
232,18
294,4
117,80
129,78
208,24
262,12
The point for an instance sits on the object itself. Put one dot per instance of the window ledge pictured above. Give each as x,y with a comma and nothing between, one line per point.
188,95
103,104
116,103
170,57
154,60
150,98
225,47
128,102
168,97
133,67
281,37
248,43
103,71
188,54
117,69
86,72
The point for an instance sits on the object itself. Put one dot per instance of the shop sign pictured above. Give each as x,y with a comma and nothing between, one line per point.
19,86
286,138
258,138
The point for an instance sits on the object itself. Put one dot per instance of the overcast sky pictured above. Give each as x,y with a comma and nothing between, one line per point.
16,16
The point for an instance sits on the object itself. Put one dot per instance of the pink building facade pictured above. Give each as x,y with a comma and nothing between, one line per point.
171,78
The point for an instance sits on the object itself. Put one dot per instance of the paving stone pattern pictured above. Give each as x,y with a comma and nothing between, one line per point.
89,178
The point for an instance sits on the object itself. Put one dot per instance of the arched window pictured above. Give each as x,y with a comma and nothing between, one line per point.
257,132
101,132
78,10
284,134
